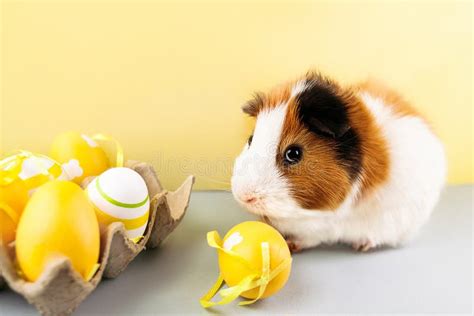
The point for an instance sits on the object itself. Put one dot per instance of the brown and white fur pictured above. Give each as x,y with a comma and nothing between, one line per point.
331,164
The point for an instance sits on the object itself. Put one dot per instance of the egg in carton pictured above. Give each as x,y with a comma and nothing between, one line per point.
60,289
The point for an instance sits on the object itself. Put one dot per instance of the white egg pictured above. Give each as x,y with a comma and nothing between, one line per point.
121,195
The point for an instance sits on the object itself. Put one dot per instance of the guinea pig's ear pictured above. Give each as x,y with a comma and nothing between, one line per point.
253,106
322,110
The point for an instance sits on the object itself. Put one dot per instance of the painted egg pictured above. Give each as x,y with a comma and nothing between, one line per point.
121,195
58,221
245,239
79,155
13,198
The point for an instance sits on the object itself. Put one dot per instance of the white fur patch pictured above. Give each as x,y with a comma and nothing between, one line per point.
267,132
255,170
299,87
379,110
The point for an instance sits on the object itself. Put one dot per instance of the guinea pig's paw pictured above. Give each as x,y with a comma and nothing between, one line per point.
294,245
363,245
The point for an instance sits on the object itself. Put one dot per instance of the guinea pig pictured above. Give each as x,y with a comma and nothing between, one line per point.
331,164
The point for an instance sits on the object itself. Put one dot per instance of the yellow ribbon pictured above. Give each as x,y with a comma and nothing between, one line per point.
259,279
118,148
10,169
136,240
93,271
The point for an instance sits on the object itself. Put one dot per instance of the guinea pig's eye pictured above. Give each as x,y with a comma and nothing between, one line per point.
293,155
250,140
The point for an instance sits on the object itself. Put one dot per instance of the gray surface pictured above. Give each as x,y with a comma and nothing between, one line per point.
432,274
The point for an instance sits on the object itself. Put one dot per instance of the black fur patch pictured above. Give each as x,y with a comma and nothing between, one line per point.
348,152
324,113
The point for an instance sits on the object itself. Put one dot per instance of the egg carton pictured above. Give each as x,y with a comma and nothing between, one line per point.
60,289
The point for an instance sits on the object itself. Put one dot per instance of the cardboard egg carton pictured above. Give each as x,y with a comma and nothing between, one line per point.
60,289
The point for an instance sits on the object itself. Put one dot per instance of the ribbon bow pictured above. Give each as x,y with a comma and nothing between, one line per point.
259,279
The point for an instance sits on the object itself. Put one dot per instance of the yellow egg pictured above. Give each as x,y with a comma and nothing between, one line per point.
13,198
121,195
58,221
245,239
79,155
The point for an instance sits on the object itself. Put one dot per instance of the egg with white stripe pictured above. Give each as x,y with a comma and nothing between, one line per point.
121,195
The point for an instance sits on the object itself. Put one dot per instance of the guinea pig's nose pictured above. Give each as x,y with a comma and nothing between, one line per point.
249,198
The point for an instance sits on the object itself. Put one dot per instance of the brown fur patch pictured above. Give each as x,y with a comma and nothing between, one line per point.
269,100
390,97
374,147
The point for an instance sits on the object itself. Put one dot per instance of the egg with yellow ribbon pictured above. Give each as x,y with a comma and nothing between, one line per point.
80,155
58,221
121,195
31,168
254,262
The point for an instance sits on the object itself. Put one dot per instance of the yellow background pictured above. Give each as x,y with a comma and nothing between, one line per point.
167,79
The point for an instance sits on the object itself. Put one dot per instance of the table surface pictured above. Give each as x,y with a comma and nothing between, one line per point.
431,274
